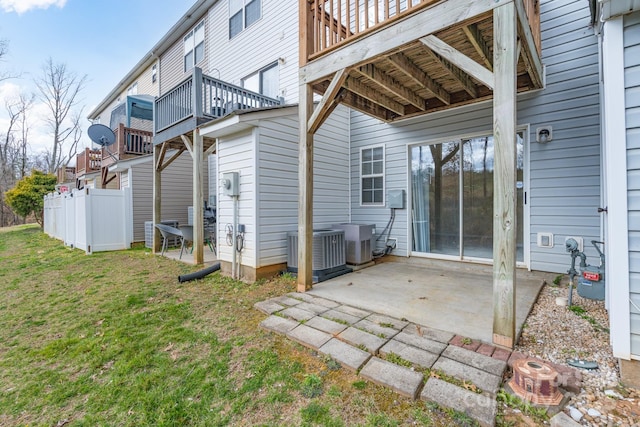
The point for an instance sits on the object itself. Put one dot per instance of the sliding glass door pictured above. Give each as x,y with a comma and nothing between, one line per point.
452,198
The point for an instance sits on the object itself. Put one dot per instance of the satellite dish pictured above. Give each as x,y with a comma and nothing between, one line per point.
101,135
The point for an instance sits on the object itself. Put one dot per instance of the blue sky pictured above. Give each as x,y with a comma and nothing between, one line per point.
103,39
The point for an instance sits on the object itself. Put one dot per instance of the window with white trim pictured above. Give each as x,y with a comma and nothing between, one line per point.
264,81
194,47
154,73
242,13
133,90
372,176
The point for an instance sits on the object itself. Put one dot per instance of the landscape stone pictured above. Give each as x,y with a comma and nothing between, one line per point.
309,337
314,308
486,349
575,413
477,360
562,420
484,380
285,300
301,296
399,378
356,312
345,354
335,314
356,337
297,313
268,306
410,353
423,343
477,406
375,329
382,319
425,332
324,302
501,354
278,324
326,325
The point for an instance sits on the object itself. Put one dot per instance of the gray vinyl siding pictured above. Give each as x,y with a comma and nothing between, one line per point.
564,175
632,117
124,179
278,180
177,192
273,38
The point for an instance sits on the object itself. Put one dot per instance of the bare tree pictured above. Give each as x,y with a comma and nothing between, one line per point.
4,49
59,89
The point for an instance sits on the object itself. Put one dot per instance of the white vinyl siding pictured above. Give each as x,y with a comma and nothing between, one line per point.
564,174
631,36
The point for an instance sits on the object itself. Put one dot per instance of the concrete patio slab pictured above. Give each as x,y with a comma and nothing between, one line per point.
278,324
450,296
300,296
268,306
340,316
324,302
297,313
407,352
309,337
356,312
402,380
285,300
383,320
359,338
479,407
485,381
326,325
346,355
422,343
480,361
375,329
314,308
430,333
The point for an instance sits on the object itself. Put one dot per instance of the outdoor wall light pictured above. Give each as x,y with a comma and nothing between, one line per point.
544,134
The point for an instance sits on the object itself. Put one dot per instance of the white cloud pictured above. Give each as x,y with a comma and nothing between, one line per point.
22,6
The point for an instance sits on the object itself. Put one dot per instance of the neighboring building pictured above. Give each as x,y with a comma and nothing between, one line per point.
235,65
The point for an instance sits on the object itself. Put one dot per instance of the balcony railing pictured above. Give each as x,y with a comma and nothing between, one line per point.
88,161
201,96
129,143
66,174
334,23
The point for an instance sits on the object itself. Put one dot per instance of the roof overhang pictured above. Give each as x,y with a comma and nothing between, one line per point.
242,120
613,8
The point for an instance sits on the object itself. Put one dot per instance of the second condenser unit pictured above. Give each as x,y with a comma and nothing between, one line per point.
358,238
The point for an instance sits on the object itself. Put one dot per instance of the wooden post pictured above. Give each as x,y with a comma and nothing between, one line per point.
504,176
196,92
198,202
157,197
305,198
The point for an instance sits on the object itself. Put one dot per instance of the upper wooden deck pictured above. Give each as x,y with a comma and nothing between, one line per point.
395,59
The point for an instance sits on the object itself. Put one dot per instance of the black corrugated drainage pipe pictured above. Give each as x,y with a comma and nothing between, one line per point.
199,274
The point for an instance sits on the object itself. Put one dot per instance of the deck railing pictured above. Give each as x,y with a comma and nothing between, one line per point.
330,24
129,143
88,161
205,97
66,174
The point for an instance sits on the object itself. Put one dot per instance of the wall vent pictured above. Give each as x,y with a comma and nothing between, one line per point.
545,240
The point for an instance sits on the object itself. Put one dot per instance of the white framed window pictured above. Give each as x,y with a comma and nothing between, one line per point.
194,47
372,176
265,81
154,73
242,13
133,90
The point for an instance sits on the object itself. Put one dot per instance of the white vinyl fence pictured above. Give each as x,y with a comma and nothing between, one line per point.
91,219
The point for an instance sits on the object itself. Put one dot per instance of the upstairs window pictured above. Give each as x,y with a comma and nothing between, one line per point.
372,176
154,73
242,13
133,90
264,81
194,47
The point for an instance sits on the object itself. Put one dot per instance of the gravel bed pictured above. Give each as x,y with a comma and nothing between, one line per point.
557,334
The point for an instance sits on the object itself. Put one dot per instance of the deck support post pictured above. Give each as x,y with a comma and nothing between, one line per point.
157,195
305,197
504,176
198,201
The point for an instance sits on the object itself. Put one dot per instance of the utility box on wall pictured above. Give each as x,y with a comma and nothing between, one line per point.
396,199
230,184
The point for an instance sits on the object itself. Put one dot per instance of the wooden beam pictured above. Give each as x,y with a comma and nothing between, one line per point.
460,60
187,143
504,176
462,77
305,189
405,65
211,149
162,150
365,106
327,103
373,95
389,83
475,38
158,154
530,51
172,158
198,198
427,21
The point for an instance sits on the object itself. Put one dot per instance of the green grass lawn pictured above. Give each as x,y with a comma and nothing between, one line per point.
113,339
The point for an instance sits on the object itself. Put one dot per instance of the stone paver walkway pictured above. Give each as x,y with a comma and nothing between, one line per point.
460,373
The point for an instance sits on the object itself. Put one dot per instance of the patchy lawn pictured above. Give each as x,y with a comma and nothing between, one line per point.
114,339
